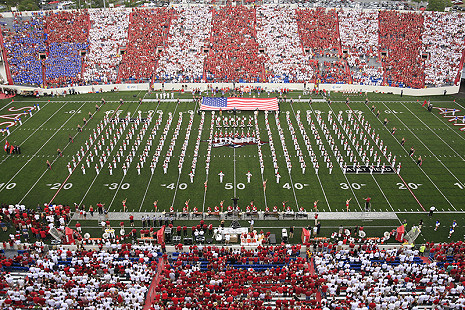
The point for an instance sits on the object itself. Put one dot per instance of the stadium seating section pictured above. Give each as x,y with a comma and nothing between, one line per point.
234,44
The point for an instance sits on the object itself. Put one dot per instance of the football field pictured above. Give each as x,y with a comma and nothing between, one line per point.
243,150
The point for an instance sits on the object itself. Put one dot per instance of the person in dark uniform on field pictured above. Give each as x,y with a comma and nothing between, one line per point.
367,203
49,165
402,142
412,151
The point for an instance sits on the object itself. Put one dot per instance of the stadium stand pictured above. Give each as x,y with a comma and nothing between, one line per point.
263,278
107,37
234,54
147,36
71,279
184,57
24,40
319,34
278,35
400,46
359,39
67,39
443,42
234,44
364,276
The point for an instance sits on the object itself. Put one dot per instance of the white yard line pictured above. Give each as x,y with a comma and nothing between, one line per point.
151,176
345,176
421,169
436,133
179,176
17,127
318,177
122,179
290,174
234,161
382,192
56,158
145,194
425,145
37,130
7,105
263,179
56,131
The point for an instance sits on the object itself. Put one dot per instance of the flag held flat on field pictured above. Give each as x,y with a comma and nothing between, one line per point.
231,103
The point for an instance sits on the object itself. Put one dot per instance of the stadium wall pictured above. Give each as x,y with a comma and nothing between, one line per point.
266,86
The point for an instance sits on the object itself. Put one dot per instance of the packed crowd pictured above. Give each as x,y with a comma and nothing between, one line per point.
66,36
277,33
208,277
443,40
115,278
366,277
238,44
189,35
234,50
29,224
63,65
67,26
148,29
359,37
318,30
23,44
400,38
106,36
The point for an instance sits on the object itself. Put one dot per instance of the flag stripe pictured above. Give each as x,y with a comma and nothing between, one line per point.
209,103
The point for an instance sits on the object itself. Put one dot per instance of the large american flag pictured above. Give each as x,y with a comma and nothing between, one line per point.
209,103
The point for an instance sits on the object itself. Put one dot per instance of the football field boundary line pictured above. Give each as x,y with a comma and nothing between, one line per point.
345,175
17,127
37,130
421,169
434,134
56,158
43,145
77,164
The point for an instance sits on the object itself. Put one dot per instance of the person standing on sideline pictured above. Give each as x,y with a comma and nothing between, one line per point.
347,204
431,210
124,204
367,203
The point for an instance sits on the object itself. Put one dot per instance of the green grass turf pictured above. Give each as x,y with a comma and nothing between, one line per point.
439,182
